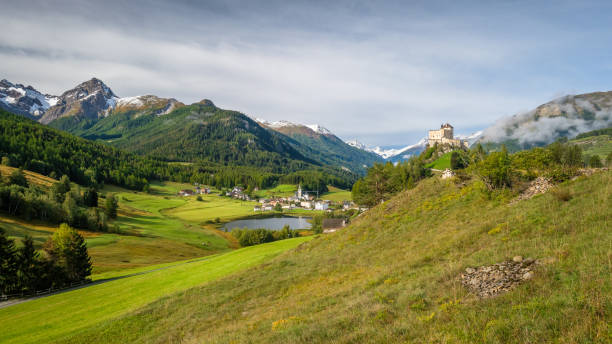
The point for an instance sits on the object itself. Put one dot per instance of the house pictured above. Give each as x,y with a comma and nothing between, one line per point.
256,208
445,136
186,193
267,207
321,205
306,204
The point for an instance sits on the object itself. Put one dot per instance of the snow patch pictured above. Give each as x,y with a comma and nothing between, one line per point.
318,129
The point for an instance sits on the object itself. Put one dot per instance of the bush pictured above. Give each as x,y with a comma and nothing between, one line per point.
561,194
18,178
496,170
199,198
595,161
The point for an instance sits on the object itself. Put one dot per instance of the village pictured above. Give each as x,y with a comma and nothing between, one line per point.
305,200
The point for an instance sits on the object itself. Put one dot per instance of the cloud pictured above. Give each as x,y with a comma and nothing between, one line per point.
385,72
566,116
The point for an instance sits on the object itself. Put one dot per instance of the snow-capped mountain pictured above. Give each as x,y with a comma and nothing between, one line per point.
90,99
472,138
359,145
25,100
392,153
286,124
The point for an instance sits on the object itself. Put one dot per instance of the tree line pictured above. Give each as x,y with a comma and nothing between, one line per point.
24,270
558,161
250,237
62,202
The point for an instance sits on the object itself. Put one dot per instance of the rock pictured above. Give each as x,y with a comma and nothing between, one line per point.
489,281
537,186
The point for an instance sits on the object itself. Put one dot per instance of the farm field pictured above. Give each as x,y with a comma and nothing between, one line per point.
282,190
337,195
36,321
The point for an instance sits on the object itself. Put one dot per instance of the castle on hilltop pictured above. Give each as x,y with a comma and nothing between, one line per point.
445,136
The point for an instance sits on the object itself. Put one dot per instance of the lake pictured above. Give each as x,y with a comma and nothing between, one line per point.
272,223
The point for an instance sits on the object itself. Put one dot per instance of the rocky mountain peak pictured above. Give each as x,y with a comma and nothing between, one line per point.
90,99
24,100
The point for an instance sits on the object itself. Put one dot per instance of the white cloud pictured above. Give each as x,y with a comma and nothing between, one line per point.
359,71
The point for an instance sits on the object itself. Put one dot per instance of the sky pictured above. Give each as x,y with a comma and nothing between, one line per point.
380,72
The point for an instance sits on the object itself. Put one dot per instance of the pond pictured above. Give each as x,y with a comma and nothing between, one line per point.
272,223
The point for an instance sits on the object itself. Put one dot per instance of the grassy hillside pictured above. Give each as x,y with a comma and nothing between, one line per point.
595,144
443,162
394,276
38,320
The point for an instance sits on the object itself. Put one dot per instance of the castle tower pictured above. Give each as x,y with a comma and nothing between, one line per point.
299,192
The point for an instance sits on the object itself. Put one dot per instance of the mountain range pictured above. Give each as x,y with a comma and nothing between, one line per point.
168,129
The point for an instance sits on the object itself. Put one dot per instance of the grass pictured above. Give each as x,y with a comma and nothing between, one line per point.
337,195
58,316
31,177
210,208
443,162
393,276
282,190
595,145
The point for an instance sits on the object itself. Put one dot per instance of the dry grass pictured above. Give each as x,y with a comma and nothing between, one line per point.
31,177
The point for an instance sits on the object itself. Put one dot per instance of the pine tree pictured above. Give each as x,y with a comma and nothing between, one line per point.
69,251
90,197
28,264
111,206
8,264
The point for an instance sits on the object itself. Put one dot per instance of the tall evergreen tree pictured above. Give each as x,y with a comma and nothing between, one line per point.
8,264
28,266
111,206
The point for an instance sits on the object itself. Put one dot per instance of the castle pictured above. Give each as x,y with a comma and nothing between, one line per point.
445,136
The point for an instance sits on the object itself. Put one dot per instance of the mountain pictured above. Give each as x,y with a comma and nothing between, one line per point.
170,130
567,116
24,100
393,154
89,100
322,145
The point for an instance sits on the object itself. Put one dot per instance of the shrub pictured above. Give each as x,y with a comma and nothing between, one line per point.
595,161
199,198
496,170
562,194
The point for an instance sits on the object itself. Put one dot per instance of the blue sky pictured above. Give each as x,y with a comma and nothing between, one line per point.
383,73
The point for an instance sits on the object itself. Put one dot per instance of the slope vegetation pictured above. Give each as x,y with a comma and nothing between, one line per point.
394,276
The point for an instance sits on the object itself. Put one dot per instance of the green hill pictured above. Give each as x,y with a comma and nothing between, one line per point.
597,142
394,276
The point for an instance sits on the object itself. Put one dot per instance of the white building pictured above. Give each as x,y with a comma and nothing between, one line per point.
321,206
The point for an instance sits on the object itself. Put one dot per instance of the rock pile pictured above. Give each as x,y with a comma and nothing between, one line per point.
537,186
489,281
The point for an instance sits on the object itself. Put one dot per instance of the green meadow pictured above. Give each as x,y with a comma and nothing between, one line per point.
337,195
37,320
